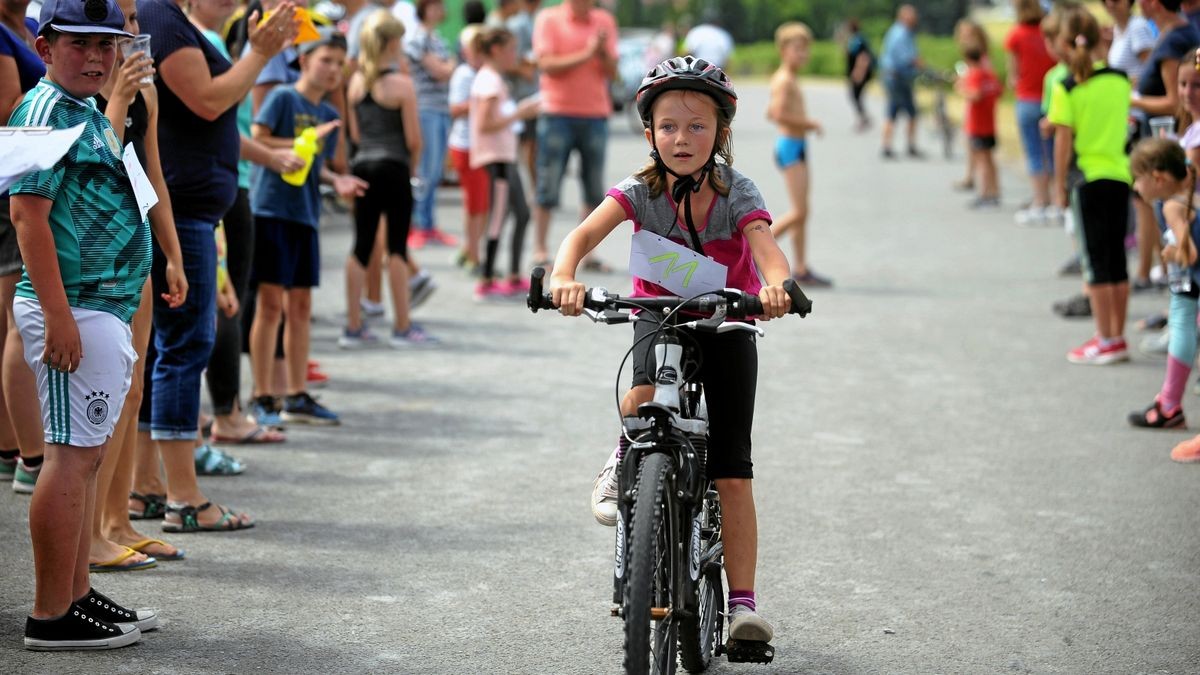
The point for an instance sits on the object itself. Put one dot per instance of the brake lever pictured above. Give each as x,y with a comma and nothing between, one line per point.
610,317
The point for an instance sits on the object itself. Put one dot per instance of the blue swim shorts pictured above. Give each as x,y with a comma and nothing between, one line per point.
789,151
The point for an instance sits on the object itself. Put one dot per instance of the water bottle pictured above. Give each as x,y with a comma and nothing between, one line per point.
1179,278
305,147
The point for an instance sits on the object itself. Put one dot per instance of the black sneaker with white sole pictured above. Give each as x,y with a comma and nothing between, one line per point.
77,630
99,605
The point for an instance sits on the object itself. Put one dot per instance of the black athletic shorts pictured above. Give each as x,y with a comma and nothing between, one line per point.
983,142
1102,219
729,373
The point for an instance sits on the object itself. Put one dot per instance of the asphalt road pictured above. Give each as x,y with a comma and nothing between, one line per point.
939,490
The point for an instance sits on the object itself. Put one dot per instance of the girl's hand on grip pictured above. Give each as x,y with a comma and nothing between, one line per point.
775,301
568,295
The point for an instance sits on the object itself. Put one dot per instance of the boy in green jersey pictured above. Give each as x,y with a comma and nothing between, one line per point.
86,248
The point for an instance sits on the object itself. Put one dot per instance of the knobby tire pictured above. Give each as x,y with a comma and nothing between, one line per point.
650,647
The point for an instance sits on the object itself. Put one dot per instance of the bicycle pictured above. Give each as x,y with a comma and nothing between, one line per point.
667,584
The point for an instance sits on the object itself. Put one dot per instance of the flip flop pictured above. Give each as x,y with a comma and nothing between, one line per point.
142,545
260,434
115,565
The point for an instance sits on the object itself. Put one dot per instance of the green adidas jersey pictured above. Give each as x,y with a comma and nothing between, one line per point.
1097,110
103,243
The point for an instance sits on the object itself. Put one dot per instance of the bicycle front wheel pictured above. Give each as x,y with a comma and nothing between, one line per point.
650,629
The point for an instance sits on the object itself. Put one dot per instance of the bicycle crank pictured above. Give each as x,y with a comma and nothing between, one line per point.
747,651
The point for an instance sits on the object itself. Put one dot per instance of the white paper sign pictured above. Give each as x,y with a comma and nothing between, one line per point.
143,190
26,149
676,268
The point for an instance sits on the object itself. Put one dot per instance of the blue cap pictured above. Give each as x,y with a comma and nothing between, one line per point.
83,16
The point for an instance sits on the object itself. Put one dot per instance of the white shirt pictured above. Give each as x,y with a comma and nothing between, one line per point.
1123,54
407,13
709,42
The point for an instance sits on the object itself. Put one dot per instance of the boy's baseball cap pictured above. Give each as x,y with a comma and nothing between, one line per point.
83,16
326,36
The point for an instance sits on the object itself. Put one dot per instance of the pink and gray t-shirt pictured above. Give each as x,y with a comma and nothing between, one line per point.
720,227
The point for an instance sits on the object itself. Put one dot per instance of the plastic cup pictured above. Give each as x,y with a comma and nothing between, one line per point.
1162,127
138,43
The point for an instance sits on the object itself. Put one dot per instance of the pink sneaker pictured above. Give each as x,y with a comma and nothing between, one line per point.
1091,353
490,290
439,238
417,238
518,287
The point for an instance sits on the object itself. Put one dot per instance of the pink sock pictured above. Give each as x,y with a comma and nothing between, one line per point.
1173,384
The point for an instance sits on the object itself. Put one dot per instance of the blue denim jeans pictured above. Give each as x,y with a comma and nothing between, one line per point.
184,336
557,136
435,137
1039,152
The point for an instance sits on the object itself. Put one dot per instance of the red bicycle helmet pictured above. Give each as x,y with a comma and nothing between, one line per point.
690,73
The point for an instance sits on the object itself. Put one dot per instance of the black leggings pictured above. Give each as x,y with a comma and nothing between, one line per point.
508,195
856,92
390,194
224,374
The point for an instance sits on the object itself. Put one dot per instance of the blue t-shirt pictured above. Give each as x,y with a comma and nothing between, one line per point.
30,68
1171,46
287,113
898,58
199,157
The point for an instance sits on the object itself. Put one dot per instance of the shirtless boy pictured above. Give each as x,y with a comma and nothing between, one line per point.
786,109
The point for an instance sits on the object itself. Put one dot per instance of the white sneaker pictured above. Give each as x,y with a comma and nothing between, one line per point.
604,493
373,309
746,624
1053,216
1034,216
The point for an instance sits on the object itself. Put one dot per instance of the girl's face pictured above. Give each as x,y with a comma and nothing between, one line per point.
684,130
1189,87
211,12
1154,185
129,9
504,56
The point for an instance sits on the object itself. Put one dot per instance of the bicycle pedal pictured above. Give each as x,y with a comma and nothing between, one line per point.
749,651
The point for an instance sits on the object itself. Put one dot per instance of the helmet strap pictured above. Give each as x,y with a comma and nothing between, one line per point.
683,185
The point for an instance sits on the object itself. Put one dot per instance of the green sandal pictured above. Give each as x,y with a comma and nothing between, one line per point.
212,461
153,506
189,522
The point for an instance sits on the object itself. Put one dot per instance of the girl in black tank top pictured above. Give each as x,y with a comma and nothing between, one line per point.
384,128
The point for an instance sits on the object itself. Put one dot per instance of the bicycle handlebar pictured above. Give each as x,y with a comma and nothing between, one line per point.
735,303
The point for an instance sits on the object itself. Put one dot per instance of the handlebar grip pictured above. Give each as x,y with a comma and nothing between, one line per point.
537,299
752,305
800,303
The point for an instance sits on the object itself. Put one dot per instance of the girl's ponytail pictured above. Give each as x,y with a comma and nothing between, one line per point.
1081,29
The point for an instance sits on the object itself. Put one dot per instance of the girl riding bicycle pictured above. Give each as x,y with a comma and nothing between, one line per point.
686,105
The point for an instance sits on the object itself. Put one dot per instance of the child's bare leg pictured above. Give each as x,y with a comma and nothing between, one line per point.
375,265
1147,237
797,178
401,305
1102,308
1119,294
296,338
267,315
59,517
643,393
20,390
987,174
739,531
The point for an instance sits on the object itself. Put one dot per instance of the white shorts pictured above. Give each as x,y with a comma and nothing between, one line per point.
80,408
